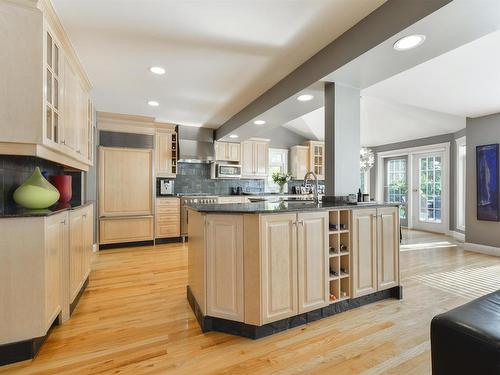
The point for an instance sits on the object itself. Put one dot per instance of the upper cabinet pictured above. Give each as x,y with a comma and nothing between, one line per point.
317,158
254,159
310,157
227,151
166,152
46,91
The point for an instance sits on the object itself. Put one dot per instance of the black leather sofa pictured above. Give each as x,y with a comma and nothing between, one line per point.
466,340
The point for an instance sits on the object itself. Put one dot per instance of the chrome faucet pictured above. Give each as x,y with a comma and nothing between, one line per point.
306,180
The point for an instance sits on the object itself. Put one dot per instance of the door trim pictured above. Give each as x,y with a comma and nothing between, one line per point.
410,153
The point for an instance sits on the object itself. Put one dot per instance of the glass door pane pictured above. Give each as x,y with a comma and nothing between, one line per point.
430,193
396,185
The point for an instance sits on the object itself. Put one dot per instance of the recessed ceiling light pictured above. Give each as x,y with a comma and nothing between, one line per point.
153,103
305,97
259,122
409,42
233,136
157,70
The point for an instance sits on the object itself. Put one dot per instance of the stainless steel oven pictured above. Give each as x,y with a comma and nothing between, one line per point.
224,170
185,200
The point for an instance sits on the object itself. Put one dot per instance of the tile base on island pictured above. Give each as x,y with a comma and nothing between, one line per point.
208,323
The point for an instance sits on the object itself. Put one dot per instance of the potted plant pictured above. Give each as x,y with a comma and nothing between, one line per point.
281,179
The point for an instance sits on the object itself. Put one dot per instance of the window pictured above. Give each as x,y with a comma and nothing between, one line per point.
396,186
278,162
460,187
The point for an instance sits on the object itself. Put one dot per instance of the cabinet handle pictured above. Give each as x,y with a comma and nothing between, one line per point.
85,216
63,222
63,142
301,222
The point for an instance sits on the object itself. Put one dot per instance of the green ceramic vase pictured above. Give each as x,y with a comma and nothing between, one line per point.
36,192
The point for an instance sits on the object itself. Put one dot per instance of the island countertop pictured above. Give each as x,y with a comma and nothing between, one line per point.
281,207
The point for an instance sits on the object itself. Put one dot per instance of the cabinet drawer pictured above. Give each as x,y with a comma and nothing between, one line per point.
128,229
168,210
168,220
164,230
169,202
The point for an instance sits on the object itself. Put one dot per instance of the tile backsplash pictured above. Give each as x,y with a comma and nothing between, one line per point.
194,178
14,170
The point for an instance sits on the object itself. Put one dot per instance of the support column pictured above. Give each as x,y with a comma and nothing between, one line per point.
342,139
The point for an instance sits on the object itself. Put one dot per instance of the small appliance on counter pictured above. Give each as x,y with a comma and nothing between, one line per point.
164,187
236,190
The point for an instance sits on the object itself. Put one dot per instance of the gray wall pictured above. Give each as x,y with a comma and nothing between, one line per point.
479,131
283,138
426,142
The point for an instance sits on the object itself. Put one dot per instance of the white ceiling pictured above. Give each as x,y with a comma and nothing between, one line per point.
219,54
310,126
462,82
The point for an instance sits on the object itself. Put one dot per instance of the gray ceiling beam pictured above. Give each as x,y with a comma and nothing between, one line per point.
387,20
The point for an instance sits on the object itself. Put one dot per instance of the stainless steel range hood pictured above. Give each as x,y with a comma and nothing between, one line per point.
196,145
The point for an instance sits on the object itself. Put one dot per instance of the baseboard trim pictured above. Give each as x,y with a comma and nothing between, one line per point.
163,240
209,323
457,235
73,304
125,245
483,249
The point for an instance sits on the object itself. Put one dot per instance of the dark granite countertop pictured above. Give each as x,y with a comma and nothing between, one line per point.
18,211
283,206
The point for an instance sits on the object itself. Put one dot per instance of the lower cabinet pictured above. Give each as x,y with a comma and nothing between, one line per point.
80,249
313,269
168,217
125,229
224,258
375,250
279,274
291,262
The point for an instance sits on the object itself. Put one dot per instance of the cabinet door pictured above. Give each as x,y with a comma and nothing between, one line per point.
233,150
278,267
126,229
88,240
76,252
220,150
388,247
317,159
54,247
364,252
70,118
82,148
225,266
163,154
261,157
125,181
247,159
312,260
299,161
167,217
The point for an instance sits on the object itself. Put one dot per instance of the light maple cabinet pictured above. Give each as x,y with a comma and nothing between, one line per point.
227,151
254,159
80,248
312,248
166,153
375,250
279,277
168,217
125,181
388,247
286,273
46,89
299,161
32,282
224,259
317,158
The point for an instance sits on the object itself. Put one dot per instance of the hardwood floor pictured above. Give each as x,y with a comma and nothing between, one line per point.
134,319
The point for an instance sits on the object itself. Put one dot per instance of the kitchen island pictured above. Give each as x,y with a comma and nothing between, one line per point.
259,268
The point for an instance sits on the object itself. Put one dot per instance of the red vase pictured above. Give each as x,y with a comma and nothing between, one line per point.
63,184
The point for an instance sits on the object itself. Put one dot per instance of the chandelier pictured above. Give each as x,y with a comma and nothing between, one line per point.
366,159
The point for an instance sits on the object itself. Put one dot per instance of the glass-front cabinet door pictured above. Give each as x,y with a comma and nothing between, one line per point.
396,185
52,89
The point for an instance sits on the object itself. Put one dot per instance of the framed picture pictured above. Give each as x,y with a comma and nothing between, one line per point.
487,182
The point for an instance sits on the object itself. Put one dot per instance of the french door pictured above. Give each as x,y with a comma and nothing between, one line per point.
429,211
